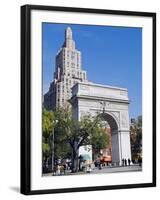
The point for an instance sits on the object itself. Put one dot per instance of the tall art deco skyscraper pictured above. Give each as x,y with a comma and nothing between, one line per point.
68,71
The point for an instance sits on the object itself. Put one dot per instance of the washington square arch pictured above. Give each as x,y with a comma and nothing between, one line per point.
112,103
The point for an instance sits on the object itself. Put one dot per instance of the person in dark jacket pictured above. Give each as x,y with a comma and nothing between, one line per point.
129,162
125,161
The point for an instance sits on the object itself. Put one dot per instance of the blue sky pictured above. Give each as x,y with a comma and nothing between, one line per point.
110,55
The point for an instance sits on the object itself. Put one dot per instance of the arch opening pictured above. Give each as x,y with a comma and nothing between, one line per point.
113,150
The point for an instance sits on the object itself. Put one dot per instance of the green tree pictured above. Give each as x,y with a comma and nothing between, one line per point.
100,140
89,130
70,134
47,130
49,127
136,138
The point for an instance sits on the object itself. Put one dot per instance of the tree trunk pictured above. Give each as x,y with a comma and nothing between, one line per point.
75,149
75,160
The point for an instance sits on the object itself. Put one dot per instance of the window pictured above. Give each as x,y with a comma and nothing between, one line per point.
72,64
72,57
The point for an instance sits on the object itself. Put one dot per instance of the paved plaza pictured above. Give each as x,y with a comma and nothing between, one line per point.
132,168
117,169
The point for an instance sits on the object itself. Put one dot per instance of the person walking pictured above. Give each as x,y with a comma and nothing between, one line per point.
58,169
140,161
64,168
129,162
54,170
125,161
89,169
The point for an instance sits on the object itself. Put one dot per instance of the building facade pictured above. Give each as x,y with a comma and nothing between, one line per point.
68,72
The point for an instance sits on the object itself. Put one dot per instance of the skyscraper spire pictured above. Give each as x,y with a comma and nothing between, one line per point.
68,72
68,33
69,42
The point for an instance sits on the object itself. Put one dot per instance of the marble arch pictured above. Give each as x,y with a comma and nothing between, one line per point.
89,97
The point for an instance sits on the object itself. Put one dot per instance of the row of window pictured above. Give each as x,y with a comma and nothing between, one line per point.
72,57
70,63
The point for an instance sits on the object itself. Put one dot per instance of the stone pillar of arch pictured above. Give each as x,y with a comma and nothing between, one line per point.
88,98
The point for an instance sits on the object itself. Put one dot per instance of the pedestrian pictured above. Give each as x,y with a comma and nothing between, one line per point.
129,162
54,170
89,169
140,161
58,170
99,164
64,168
96,163
125,161
61,169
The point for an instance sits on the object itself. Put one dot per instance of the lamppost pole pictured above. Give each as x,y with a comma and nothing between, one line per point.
53,146
53,149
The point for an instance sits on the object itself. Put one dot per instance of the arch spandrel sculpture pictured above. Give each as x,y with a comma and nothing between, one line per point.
89,97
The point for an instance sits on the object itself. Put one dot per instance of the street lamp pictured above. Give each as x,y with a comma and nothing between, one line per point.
56,121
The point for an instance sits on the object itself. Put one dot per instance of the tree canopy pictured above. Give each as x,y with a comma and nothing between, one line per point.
136,138
70,134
